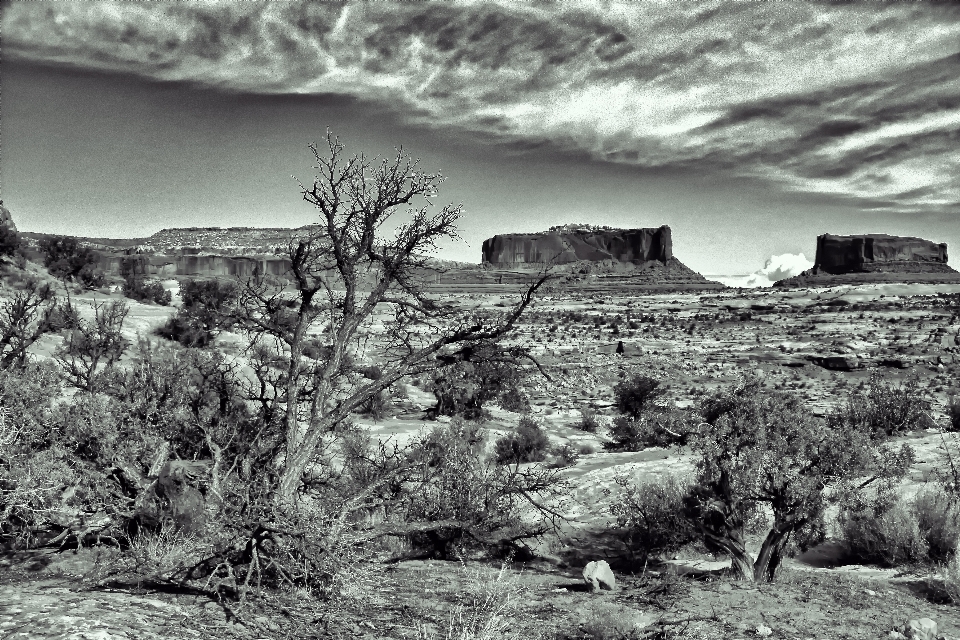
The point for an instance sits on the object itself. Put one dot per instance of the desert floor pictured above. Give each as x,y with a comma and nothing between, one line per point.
695,342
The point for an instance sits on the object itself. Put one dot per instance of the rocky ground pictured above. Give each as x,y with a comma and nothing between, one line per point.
816,342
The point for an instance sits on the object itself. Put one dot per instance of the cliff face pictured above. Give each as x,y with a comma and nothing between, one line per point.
636,246
878,252
169,266
6,219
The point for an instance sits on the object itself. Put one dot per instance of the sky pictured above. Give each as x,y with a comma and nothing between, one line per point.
748,127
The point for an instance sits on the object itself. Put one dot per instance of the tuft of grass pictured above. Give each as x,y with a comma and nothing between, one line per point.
485,611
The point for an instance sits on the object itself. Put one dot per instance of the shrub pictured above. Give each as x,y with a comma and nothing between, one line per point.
205,309
66,259
376,406
484,611
588,421
371,372
660,428
146,291
638,394
882,529
953,413
92,348
9,240
528,443
951,578
651,513
566,455
883,410
456,496
24,318
463,387
938,517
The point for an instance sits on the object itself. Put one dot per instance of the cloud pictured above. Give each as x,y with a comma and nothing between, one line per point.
776,268
857,101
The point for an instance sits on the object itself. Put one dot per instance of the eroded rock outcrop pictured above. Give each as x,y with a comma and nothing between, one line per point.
6,218
875,258
878,252
565,246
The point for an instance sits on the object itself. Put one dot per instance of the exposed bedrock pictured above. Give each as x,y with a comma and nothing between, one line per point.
636,246
168,266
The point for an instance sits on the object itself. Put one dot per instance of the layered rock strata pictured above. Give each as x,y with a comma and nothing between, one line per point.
875,258
633,246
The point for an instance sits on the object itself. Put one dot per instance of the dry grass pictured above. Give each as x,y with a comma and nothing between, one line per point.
485,610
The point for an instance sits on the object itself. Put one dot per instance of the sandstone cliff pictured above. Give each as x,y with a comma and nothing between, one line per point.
633,246
875,251
875,258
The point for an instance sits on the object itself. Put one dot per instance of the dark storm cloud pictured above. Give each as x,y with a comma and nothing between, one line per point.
858,102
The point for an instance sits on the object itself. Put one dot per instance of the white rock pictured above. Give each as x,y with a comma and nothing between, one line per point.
599,575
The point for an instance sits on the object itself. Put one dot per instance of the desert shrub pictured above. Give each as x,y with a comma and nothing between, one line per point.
24,318
658,427
881,529
9,241
146,291
65,259
205,309
528,443
953,414
465,386
884,409
565,455
637,394
515,400
651,514
611,621
93,347
371,372
588,421
186,331
951,578
456,497
938,517
376,406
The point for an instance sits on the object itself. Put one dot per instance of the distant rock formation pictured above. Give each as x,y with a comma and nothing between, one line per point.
568,245
591,257
878,252
875,258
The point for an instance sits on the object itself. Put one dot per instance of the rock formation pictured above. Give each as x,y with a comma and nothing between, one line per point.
6,219
591,257
557,247
875,258
877,252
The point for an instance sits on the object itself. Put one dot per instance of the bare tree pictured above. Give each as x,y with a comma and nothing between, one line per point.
355,268
23,319
94,347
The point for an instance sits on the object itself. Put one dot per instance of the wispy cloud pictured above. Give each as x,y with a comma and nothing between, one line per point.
854,101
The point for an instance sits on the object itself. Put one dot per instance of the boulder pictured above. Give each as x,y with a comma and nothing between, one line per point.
178,483
836,362
599,575
921,629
